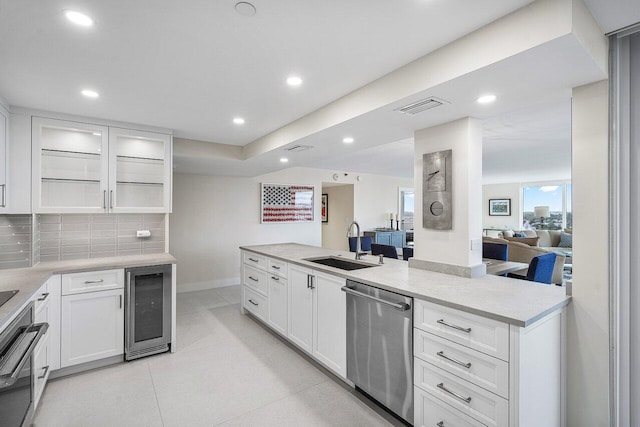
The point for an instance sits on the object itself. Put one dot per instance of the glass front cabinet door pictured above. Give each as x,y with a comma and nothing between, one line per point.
87,168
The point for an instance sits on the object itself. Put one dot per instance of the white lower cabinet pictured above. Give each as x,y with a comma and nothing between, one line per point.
92,326
474,371
47,355
306,306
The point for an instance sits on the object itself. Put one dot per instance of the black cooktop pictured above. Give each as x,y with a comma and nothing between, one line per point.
6,296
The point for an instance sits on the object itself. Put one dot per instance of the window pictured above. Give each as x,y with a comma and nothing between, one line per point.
547,206
406,208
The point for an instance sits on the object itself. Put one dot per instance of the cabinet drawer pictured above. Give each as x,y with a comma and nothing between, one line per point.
77,283
255,303
486,335
255,260
488,372
41,298
277,267
256,279
432,412
478,403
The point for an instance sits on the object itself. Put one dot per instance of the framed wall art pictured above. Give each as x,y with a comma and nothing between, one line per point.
500,207
324,213
286,203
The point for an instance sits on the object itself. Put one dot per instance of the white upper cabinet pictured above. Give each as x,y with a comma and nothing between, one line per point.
139,171
87,168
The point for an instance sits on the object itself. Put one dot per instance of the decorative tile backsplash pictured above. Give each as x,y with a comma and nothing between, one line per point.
64,237
15,241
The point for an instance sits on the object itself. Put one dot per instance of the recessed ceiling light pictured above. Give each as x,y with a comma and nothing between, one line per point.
347,140
90,93
245,8
294,81
238,120
486,99
79,18
97,134
284,160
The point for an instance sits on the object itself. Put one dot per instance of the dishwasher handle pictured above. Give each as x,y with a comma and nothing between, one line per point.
395,305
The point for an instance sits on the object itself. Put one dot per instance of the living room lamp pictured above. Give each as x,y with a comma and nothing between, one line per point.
542,212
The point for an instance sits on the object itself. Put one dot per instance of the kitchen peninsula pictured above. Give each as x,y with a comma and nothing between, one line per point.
486,351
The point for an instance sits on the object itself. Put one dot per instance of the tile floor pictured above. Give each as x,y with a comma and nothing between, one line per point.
228,370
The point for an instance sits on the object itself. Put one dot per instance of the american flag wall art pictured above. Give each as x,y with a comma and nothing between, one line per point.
287,203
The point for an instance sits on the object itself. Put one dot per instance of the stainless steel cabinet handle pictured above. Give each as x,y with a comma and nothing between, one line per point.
453,393
253,259
120,301
308,281
45,369
276,267
88,282
312,278
253,302
253,278
397,305
451,359
440,424
277,279
104,199
460,328
4,195
44,296
111,199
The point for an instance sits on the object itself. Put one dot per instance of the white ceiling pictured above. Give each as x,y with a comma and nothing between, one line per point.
193,65
614,15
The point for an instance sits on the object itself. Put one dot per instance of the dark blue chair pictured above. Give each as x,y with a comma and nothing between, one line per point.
387,251
365,243
540,269
407,252
497,251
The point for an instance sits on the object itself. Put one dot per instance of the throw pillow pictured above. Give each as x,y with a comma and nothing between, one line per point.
566,240
507,233
519,234
531,241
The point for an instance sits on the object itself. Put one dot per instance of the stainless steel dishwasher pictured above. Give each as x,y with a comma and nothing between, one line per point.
380,346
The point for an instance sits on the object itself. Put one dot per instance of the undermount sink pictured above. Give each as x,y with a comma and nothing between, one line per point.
341,263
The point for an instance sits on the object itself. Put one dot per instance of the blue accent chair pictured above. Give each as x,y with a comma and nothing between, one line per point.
497,251
540,269
407,252
387,251
365,243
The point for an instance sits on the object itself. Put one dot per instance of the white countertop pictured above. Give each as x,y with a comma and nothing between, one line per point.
514,301
28,280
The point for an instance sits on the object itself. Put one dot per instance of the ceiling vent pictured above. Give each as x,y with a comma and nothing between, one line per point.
422,105
297,148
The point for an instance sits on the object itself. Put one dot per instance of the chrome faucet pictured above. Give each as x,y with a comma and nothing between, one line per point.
359,254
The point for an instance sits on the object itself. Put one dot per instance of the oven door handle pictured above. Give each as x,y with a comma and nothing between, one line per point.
13,363
396,305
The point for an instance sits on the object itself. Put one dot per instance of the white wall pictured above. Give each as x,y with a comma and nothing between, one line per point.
464,138
214,215
502,191
588,314
334,232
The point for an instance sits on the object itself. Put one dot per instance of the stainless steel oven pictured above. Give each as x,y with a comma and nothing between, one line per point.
148,311
17,382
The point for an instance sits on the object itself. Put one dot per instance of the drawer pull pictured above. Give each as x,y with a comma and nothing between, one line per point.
253,302
460,328
453,393
253,259
253,278
88,282
45,369
440,424
451,359
44,296
275,278
276,267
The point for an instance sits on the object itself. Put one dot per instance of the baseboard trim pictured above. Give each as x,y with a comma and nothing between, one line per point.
87,366
209,284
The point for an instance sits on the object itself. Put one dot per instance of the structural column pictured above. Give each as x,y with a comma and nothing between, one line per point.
458,250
